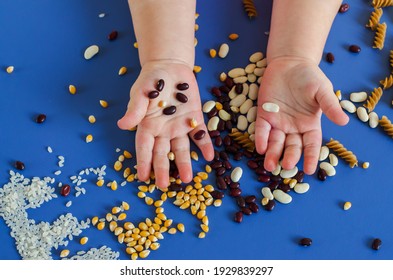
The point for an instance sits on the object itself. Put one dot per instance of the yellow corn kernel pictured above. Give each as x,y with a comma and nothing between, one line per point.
202,235
168,223
171,156
121,158
131,178
130,250
126,172
217,202
122,217
194,155
122,70
125,205
181,227
162,103
162,217
213,53
115,210
100,183
83,240
203,206
223,76
209,188
197,179
127,154
100,225
193,123
203,175
185,205
94,220
9,69
195,42
114,185
72,89
366,165
163,229
134,256
172,230
286,181
157,221
209,201
118,230
112,226
197,69
141,194
120,238
136,45
208,168
219,106
347,205
152,237
159,203
144,254
91,119
109,217
143,226
338,94
103,104
128,225
201,214
171,194
154,246
159,210
265,201
205,228
89,138
118,165
233,36
149,200
152,188
164,197
144,233
64,253
147,244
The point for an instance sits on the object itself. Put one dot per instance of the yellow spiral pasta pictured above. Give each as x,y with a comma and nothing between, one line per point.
391,58
387,82
243,139
375,17
373,99
382,3
387,125
380,34
250,8
342,152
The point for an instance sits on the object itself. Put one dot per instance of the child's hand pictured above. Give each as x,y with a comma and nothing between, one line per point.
158,134
301,90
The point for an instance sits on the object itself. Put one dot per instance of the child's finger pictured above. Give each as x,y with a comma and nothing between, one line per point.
144,147
274,149
181,149
312,141
330,106
205,144
293,151
136,110
161,162
262,131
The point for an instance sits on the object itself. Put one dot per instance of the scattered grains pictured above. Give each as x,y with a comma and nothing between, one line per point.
92,119
89,138
122,70
212,53
305,241
103,104
376,244
83,240
347,205
72,89
9,69
64,253
197,69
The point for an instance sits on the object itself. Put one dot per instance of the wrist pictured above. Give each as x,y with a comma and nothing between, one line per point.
167,61
291,58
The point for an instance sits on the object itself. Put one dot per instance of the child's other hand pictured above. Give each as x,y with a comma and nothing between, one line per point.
302,91
158,134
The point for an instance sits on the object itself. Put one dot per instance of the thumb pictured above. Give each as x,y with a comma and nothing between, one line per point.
330,106
136,111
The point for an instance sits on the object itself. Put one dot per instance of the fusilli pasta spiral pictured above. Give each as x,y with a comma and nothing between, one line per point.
249,7
374,18
380,34
342,152
373,99
387,125
243,139
387,82
391,58
382,3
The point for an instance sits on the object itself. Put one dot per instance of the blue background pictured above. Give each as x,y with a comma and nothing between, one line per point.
45,41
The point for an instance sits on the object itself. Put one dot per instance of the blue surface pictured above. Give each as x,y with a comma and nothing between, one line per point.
45,42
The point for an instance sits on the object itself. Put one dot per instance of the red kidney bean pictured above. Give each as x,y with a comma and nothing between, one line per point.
228,125
273,185
232,149
227,140
224,155
299,177
213,112
261,171
65,190
182,86
343,8
284,187
221,184
229,82
169,110
227,179
250,198
239,88
225,89
218,141
216,164
247,154
253,207
227,165
252,164
354,49
217,194
19,165
264,178
270,205
214,133
199,135
238,217
246,211
216,91
240,201
330,57
275,178
113,35
216,155
305,241
235,192
153,94
221,125
175,187
160,85
376,245
238,156
234,185
181,97
40,118
322,175
220,171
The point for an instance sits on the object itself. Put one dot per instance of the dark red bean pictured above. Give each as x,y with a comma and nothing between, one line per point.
218,141
239,88
224,155
227,165
250,198
213,112
343,8
220,171
113,35
175,187
273,185
253,207
65,190
225,89
264,178
216,91
217,194
40,118
246,211
214,133
252,164
229,82
216,164
181,97
238,217
270,205
231,149
330,57
227,140
153,94
299,177
322,175
228,125
238,156
169,110
216,155
305,241
227,179
354,49
247,154
19,165
199,135
240,201
261,171
234,185
221,125
221,185
160,85
376,244
182,86
284,187
275,178
235,192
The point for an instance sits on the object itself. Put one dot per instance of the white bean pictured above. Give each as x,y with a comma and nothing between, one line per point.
262,63
270,107
281,196
277,170
259,71
301,187
348,106
236,174
91,51
288,173
253,91
250,68
223,50
266,192
252,114
330,170
236,72
238,100
362,114
324,153
235,109
246,106
242,123
224,115
232,93
333,159
245,89
208,106
251,128
240,80
358,96
255,57
373,120
213,123
251,78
